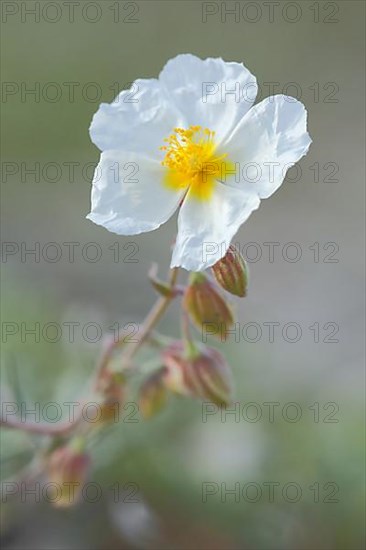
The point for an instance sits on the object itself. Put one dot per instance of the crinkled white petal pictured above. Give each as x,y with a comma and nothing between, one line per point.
201,91
206,228
137,120
128,196
270,139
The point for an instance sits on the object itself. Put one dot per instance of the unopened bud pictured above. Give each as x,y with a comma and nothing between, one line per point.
68,468
110,385
231,272
152,394
205,305
203,374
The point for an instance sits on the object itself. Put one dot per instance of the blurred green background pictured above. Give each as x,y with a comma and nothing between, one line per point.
171,456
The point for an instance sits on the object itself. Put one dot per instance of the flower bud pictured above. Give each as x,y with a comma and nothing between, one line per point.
68,468
203,373
152,394
110,386
206,306
231,272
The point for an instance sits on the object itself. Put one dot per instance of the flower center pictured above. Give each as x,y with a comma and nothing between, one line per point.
192,161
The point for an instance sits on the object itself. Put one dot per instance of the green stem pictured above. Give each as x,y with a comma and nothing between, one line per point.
156,313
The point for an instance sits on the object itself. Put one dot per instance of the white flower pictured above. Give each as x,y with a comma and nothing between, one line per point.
220,155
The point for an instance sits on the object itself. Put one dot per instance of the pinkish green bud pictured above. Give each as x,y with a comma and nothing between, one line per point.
204,374
68,468
111,389
205,305
152,394
231,272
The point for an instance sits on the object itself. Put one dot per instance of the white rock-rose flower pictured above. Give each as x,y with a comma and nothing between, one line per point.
192,140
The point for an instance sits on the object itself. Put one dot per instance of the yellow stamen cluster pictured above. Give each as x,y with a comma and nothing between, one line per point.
191,161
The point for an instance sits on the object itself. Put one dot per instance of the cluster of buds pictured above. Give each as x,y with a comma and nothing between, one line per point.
67,468
186,368
189,368
197,371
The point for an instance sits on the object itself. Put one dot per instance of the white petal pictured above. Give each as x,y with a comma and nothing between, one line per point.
138,119
206,228
266,143
128,196
200,89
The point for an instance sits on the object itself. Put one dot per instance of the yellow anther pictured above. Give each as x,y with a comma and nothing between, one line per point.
191,161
